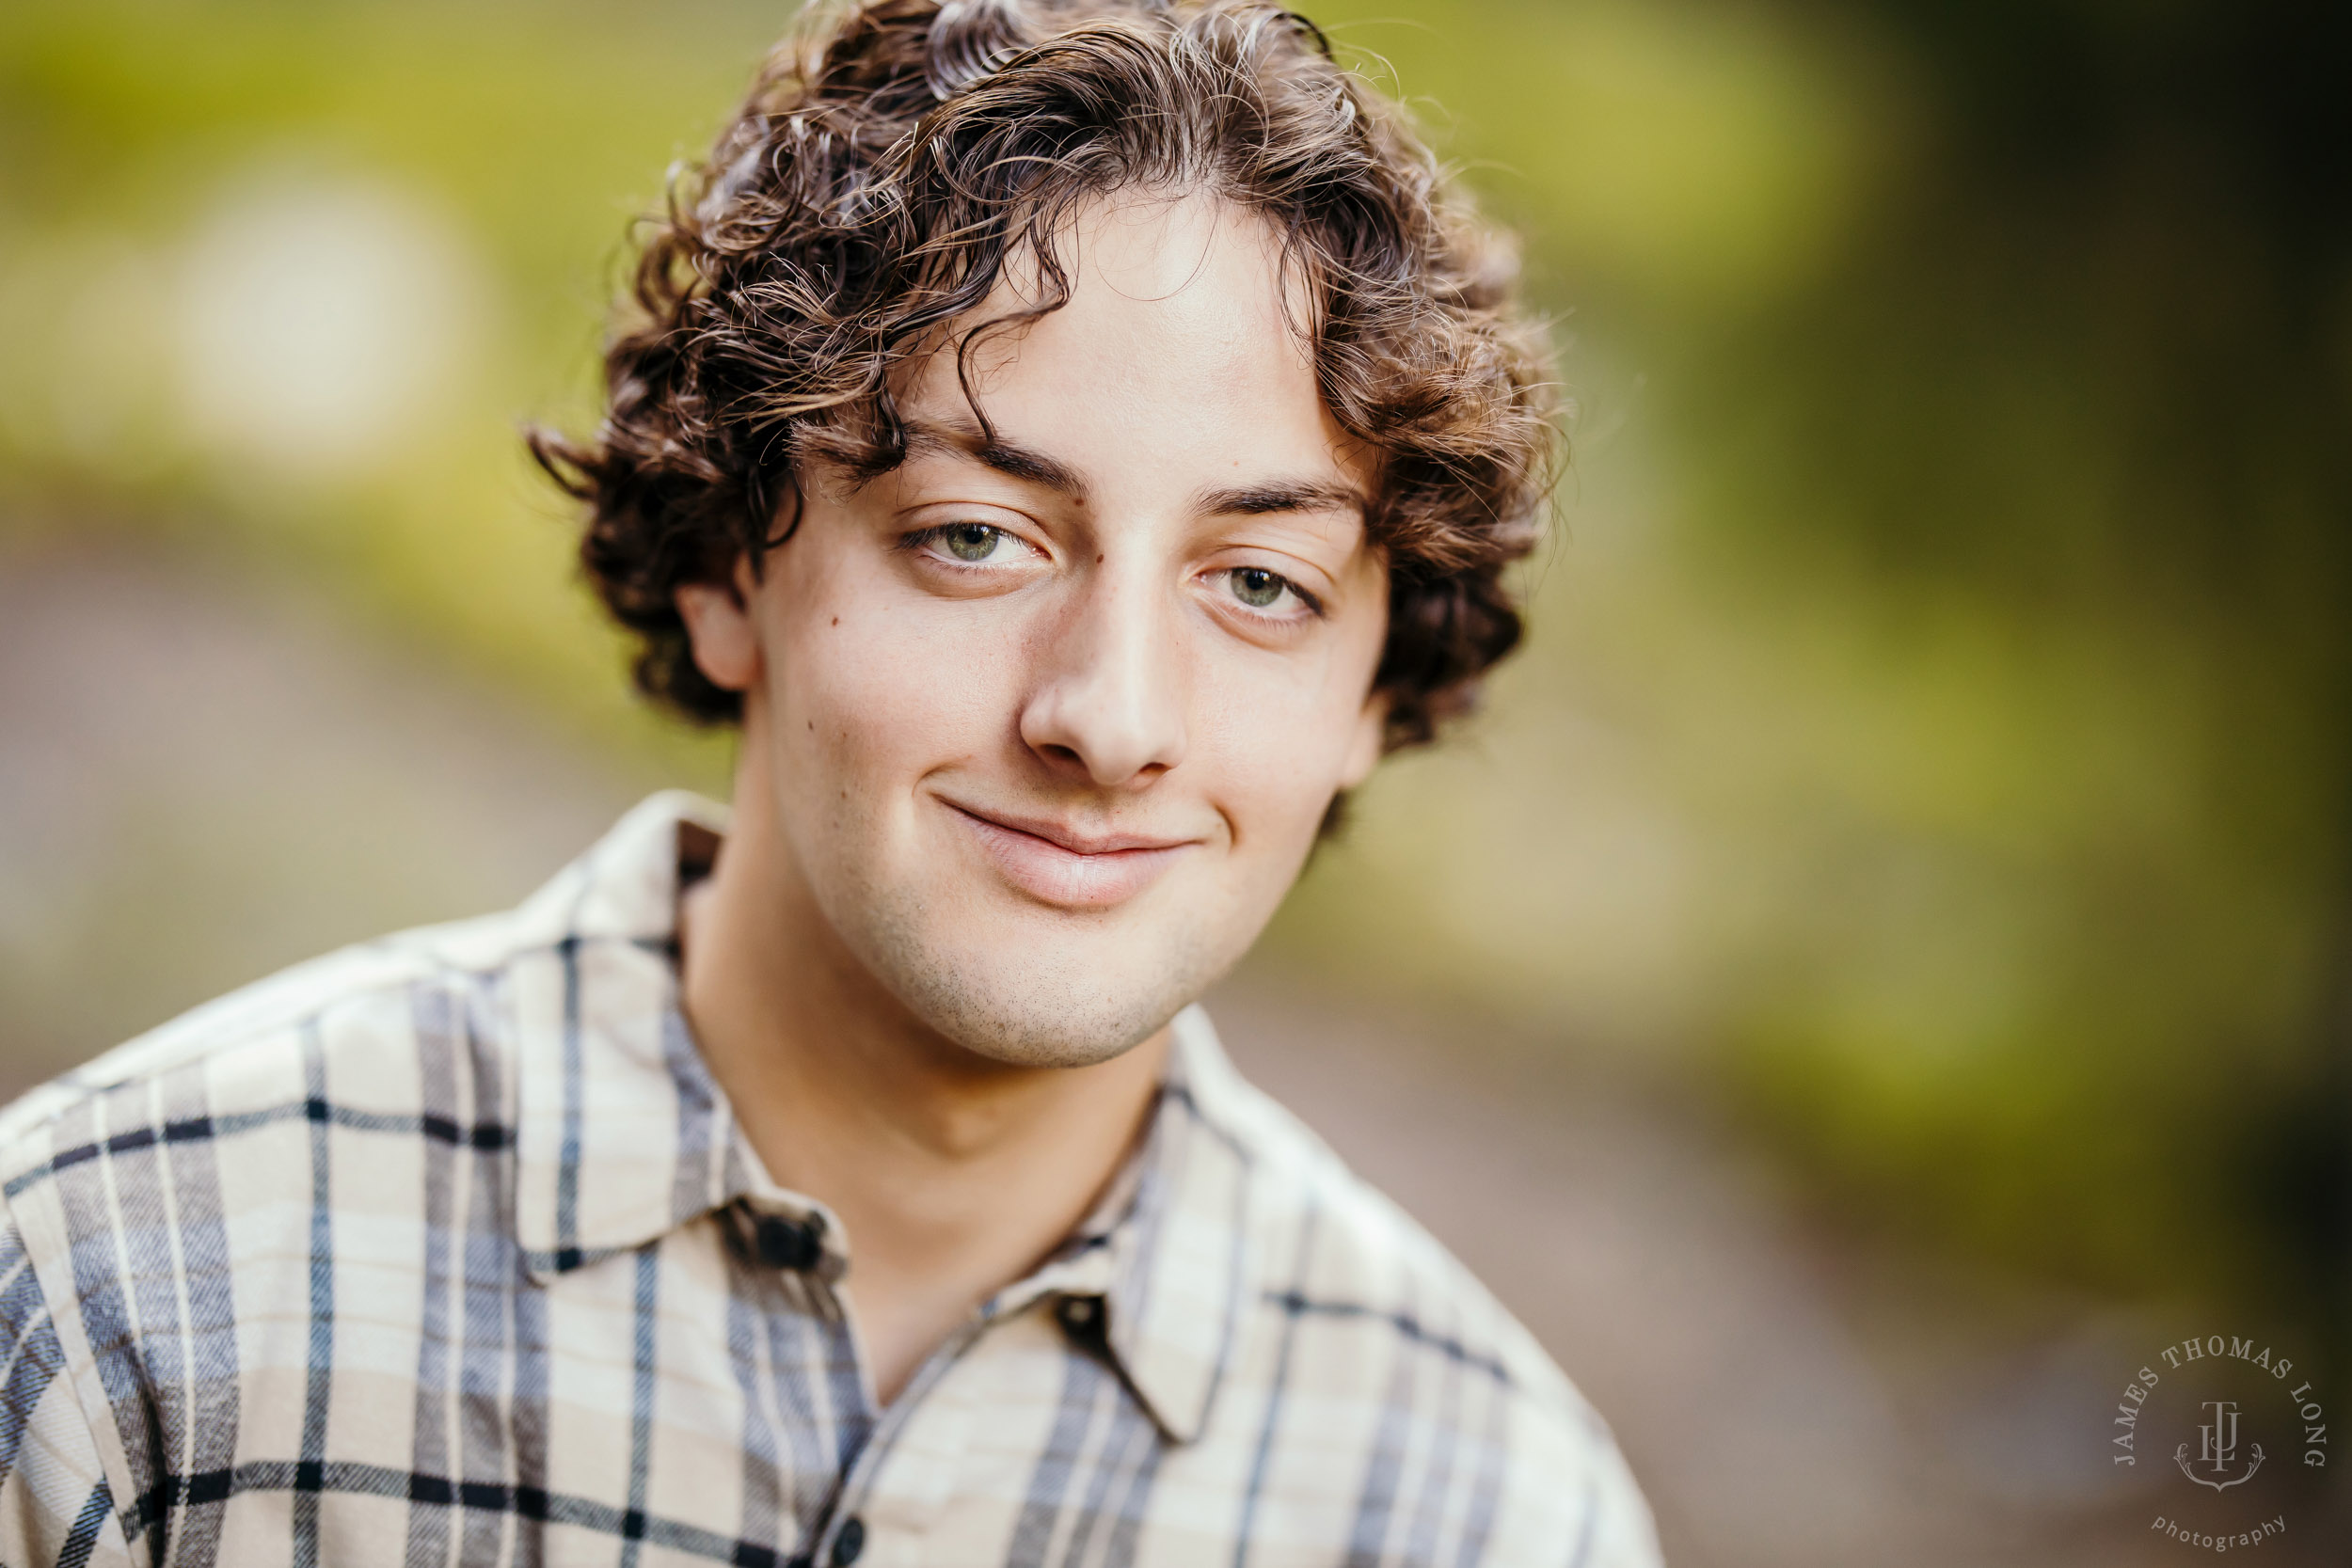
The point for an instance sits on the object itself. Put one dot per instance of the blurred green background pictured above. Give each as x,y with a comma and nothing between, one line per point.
1931,756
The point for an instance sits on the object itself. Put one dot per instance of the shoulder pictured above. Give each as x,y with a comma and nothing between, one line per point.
213,1111
1391,1323
1343,1242
191,1160
55,1502
346,1000
246,1048
162,1193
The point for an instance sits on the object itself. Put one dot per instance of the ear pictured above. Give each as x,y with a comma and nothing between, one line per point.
720,625
1366,747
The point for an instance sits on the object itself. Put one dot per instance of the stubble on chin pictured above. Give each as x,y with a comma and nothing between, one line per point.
1050,1006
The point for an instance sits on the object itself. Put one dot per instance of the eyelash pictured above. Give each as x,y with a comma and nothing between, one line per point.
1315,606
916,541
920,538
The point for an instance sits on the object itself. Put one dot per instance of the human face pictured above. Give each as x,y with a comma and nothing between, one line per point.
1047,725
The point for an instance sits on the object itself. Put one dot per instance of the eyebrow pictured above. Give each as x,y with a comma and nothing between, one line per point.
1010,458
1300,495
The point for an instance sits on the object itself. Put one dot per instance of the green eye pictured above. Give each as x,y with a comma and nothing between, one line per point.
970,540
1256,587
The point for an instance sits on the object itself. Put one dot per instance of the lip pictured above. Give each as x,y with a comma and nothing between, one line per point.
1056,864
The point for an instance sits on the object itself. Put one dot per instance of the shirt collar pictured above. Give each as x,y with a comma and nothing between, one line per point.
1165,1257
623,1135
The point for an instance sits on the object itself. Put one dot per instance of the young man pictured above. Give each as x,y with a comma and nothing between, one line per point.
1075,443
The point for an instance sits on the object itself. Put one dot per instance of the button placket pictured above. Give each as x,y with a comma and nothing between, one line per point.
852,1501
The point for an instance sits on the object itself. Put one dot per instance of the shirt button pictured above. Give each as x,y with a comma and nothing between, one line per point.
849,1542
1080,1315
784,1244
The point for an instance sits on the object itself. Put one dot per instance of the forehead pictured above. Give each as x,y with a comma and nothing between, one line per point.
1178,356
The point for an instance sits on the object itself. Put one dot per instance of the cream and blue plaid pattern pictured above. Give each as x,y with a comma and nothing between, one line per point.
446,1249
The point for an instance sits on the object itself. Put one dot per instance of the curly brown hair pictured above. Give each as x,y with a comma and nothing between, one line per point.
889,160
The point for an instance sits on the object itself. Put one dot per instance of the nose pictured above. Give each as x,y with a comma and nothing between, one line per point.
1109,700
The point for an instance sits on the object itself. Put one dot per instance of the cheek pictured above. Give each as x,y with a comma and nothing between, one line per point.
870,692
1278,740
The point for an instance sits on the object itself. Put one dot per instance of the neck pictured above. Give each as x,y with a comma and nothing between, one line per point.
953,1175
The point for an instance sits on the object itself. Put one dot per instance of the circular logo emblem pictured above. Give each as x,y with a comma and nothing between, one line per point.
2228,1438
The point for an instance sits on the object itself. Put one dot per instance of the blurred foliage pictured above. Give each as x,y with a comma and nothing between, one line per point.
1934,739
2071,416
1975,669
513,142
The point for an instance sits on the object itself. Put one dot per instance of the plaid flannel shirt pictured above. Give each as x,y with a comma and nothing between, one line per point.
446,1249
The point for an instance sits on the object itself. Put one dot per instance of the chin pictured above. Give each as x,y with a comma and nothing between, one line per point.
1076,1019
1012,1032
1073,1006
